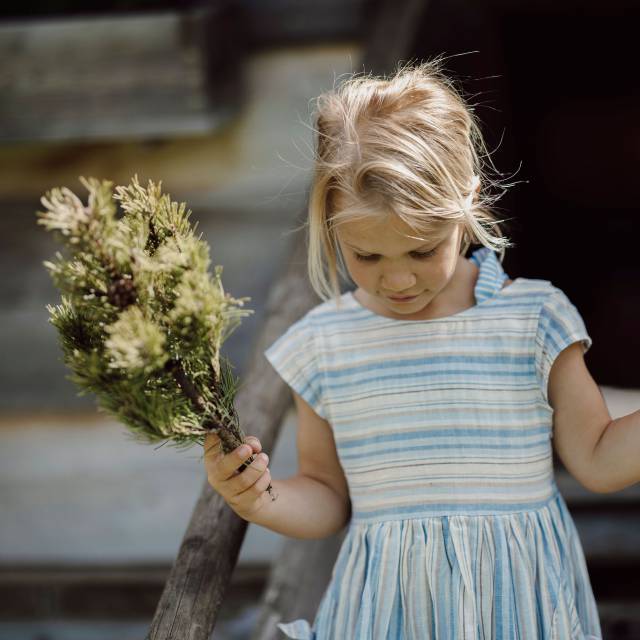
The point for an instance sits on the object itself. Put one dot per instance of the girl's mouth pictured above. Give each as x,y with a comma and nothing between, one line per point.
402,299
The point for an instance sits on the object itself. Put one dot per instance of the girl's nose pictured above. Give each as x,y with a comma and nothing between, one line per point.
398,281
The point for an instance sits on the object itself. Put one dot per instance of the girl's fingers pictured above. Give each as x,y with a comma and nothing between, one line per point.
254,442
247,486
223,467
247,498
213,444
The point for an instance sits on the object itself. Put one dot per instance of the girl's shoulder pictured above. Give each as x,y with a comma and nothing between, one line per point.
535,286
328,312
533,289
304,328
306,337
558,320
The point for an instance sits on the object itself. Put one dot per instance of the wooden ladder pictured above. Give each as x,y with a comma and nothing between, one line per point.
197,584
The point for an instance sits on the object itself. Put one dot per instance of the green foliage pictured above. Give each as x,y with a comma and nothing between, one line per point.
142,320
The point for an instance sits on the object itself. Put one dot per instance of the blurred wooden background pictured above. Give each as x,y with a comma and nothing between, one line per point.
212,99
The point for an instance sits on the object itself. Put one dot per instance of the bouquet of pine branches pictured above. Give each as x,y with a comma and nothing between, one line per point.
141,320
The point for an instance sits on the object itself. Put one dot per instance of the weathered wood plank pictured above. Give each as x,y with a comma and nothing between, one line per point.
113,592
283,22
209,551
119,76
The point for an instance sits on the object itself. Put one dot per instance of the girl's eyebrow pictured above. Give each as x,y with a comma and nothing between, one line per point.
422,247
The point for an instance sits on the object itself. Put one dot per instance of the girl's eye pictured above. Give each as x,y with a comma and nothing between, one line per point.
424,254
420,255
369,258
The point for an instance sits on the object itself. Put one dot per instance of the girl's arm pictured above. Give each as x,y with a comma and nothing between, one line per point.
601,453
305,508
315,503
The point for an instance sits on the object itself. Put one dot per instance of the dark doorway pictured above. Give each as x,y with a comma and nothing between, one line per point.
557,90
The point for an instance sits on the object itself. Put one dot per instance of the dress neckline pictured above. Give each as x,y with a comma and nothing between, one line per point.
489,284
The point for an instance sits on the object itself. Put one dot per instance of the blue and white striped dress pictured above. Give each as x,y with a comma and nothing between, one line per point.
443,428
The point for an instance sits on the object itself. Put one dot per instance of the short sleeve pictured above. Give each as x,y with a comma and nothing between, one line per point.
295,358
559,325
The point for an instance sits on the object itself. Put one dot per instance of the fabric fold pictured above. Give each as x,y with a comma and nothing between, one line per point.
458,576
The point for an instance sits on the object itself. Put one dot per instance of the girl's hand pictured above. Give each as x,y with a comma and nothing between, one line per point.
242,491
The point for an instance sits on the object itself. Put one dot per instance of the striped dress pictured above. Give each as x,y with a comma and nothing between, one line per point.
443,429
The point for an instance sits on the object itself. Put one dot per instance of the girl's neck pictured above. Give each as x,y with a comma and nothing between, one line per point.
459,294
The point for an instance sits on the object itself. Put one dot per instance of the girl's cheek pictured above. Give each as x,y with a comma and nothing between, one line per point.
360,278
371,274
357,270
444,269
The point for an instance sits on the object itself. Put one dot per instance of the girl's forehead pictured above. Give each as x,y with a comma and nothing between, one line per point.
373,233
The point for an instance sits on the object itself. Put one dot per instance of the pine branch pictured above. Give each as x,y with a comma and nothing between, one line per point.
140,309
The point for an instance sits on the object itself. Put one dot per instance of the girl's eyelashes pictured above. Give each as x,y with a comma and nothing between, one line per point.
369,258
420,255
423,254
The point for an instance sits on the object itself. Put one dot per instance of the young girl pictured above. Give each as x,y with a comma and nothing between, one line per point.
429,397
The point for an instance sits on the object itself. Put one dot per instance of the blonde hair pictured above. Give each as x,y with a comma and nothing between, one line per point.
407,144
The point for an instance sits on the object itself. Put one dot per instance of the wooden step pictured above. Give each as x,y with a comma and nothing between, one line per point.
119,76
98,592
